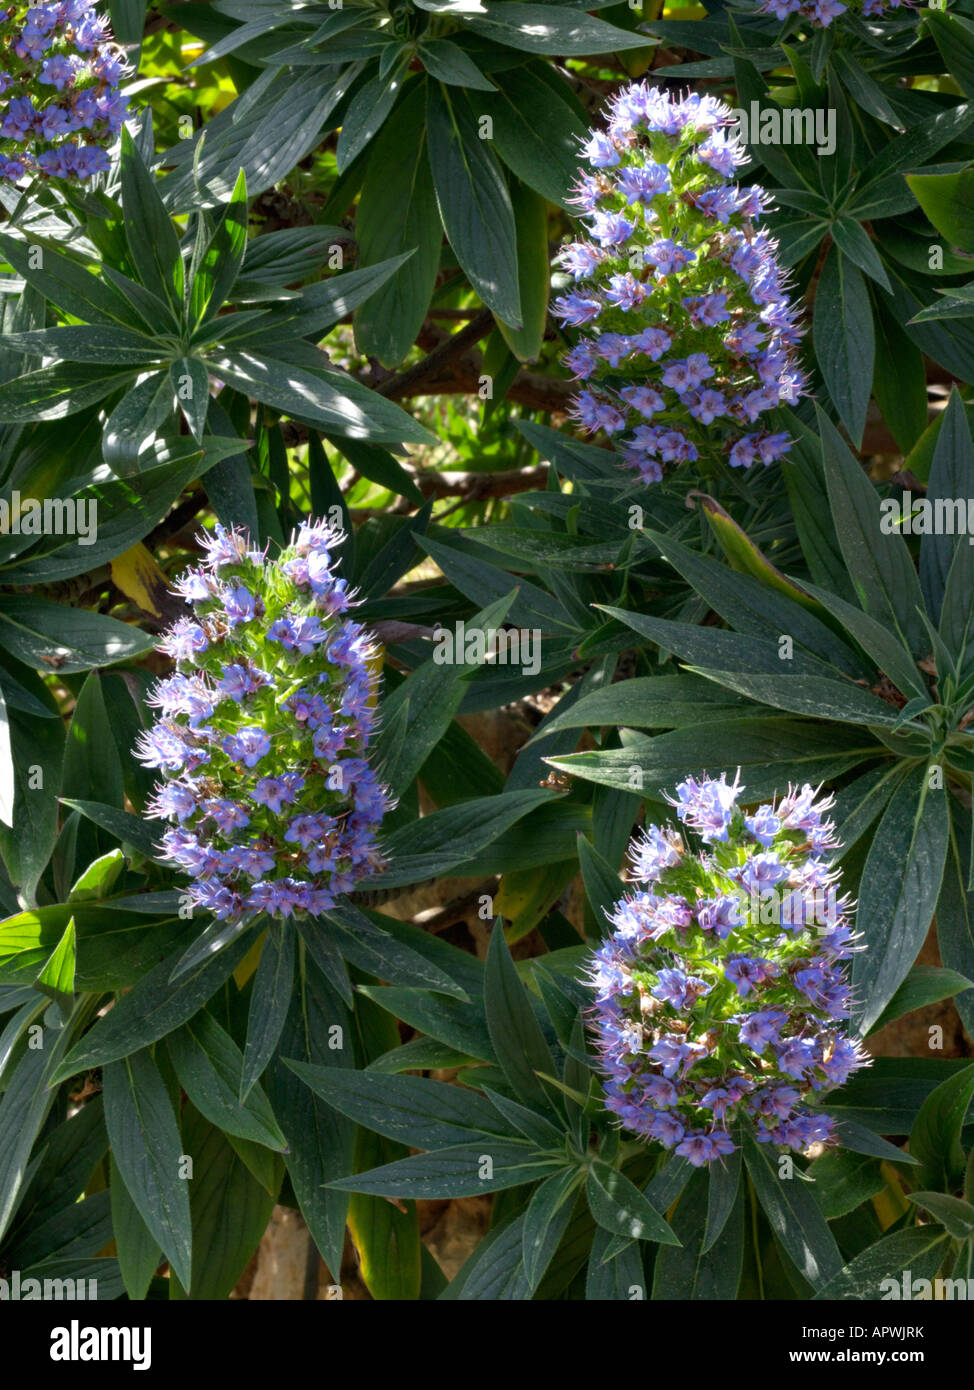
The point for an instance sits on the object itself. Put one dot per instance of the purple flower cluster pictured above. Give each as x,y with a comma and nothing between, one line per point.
60,106
263,729
687,334
721,993
822,12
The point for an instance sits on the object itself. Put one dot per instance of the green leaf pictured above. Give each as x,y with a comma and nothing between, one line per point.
956,1216
149,233
433,693
855,244
536,131
899,889
128,828
381,952
618,1277
725,1183
27,845
474,203
649,702
951,477
409,1109
461,1026
880,566
874,1274
443,839
531,220
696,1271
91,768
948,200
99,345
495,1270
138,415
562,29
449,63
223,259
899,380
52,393
844,339
925,984
770,753
366,114
954,36
139,1254
463,1170
379,466
955,909
546,1221
794,1216
744,555
74,290
150,1009
269,1002
823,699
618,1206
935,1138
229,1210
43,634
386,1237
148,1152
397,213
844,1181
518,1042
191,387
326,399
24,1106
209,1065
319,1030
57,978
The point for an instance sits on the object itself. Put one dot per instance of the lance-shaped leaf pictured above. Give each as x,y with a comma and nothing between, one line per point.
149,232
148,1152
899,890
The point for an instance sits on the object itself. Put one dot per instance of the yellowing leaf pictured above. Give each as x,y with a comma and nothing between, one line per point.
139,577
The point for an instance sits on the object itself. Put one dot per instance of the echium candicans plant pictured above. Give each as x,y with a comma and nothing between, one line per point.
60,104
857,669
688,334
263,731
720,994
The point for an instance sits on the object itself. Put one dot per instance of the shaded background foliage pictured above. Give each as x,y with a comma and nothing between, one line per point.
208,257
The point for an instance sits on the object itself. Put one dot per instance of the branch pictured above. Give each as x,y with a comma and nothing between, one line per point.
442,355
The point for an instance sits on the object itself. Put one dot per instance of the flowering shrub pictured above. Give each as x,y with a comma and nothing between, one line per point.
59,100
263,731
689,335
721,991
326,241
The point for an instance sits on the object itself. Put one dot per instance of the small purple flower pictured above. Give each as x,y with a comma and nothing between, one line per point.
747,972
600,152
276,791
248,745
761,1029
668,257
239,605
226,814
